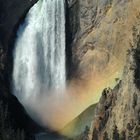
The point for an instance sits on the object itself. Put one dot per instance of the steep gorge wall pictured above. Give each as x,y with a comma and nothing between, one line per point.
101,32
12,14
105,44
120,120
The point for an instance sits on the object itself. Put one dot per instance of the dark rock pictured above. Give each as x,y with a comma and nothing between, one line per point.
135,100
123,136
95,134
12,14
105,137
115,133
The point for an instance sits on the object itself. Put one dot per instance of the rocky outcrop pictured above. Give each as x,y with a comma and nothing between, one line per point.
77,126
97,30
118,113
105,37
85,15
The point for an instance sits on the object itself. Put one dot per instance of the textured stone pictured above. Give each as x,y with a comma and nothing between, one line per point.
124,110
103,24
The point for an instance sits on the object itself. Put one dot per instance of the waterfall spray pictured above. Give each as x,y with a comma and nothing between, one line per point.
39,55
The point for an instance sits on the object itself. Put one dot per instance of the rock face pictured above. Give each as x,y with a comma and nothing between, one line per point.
117,115
98,28
99,32
106,37
11,15
77,126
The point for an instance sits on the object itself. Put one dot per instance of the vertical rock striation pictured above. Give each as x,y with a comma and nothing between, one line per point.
120,119
98,29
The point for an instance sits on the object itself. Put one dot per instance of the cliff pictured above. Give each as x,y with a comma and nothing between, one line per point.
98,29
117,113
116,116
12,13
99,35
78,124
106,41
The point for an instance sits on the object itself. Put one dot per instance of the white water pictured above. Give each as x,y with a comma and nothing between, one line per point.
39,55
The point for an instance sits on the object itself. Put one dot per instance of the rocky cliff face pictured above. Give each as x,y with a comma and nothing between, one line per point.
11,15
101,31
118,111
105,41
117,115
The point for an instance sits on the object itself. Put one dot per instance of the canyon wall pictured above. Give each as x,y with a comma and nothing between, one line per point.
105,41
101,35
117,115
12,14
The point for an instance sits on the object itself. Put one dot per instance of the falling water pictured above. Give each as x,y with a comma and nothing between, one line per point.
39,55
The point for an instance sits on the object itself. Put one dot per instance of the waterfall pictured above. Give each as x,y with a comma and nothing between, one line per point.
39,54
